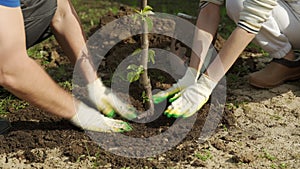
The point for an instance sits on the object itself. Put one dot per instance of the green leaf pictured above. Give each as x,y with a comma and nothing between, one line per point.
133,76
137,11
145,98
132,67
140,69
147,9
151,54
149,23
136,52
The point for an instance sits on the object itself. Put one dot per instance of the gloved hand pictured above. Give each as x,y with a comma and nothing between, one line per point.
188,79
107,102
88,118
190,100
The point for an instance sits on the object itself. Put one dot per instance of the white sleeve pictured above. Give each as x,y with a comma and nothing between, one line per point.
255,13
203,3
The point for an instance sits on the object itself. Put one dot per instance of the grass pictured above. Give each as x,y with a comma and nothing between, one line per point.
89,11
279,166
8,102
268,156
204,156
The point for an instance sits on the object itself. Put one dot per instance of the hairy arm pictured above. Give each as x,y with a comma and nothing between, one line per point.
21,75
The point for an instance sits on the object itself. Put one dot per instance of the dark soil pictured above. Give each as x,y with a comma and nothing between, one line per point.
33,128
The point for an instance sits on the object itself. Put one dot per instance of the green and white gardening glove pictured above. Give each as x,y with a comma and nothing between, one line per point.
190,100
88,118
107,102
188,79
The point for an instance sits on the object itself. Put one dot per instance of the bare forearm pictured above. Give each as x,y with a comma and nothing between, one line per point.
207,25
28,81
233,47
24,77
71,37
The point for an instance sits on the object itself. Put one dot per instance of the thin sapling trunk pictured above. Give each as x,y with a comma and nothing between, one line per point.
144,80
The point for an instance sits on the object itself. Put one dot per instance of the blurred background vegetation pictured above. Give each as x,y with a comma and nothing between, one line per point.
90,10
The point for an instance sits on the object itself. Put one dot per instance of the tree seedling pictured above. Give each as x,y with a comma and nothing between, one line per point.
140,72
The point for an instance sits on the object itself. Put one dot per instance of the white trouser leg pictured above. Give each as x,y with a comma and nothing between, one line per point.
278,34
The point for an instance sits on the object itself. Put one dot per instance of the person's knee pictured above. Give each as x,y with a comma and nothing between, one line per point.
12,55
64,9
233,9
7,78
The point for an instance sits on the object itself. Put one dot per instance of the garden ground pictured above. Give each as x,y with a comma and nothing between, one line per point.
260,128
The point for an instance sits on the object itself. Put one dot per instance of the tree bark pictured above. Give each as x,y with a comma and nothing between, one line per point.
144,4
144,80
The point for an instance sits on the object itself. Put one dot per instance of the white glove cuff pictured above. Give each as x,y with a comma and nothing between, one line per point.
207,84
75,119
189,78
86,116
95,90
95,85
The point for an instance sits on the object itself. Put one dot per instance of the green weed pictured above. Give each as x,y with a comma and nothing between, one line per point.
268,156
66,85
10,102
204,156
282,165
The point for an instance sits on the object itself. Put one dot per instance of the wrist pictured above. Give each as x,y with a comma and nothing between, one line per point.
95,84
75,118
189,78
207,82
95,90
84,115
191,71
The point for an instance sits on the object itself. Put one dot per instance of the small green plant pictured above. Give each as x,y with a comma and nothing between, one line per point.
273,166
144,15
135,72
36,53
66,85
83,156
282,165
11,102
268,155
231,106
97,162
224,127
18,105
145,97
4,107
125,168
114,10
204,156
80,158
